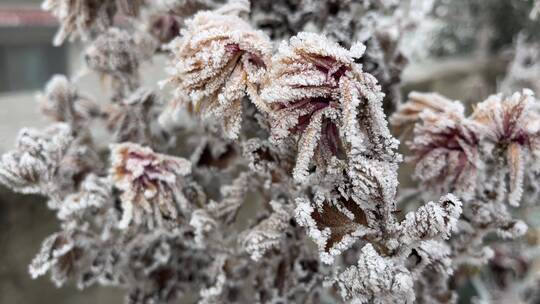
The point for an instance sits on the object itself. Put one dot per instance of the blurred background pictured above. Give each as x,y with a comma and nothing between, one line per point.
463,53
27,61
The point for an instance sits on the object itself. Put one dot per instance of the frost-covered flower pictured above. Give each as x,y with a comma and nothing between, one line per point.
218,59
83,18
80,18
383,26
314,88
117,54
33,166
510,119
61,102
314,158
513,124
445,143
150,182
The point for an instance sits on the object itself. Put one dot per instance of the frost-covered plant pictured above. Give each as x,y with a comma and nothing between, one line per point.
218,59
481,157
217,195
444,145
309,92
150,183
86,17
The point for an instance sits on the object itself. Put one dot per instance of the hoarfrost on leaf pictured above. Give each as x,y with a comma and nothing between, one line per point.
377,279
268,233
333,226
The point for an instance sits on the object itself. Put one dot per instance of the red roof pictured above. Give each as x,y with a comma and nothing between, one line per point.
25,16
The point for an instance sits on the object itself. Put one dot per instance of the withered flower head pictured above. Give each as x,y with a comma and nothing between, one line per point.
116,54
445,148
150,182
113,51
33,166
83,18
509,120
61,102
315,92
513,124
79,18
217,60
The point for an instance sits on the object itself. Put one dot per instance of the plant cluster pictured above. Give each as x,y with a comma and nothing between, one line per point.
270,175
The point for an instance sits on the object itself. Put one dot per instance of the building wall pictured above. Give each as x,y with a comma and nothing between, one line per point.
27,58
